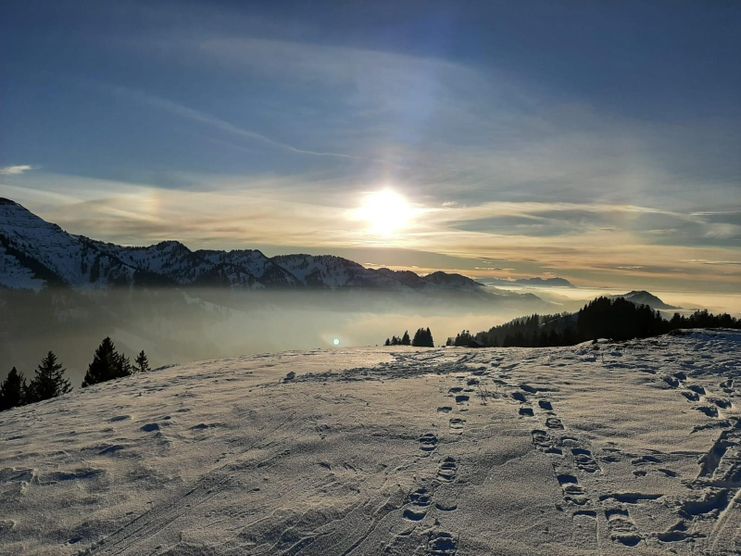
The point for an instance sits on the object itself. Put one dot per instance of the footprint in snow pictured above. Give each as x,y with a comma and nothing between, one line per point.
448,469
427,442
442,544
457,423
419,501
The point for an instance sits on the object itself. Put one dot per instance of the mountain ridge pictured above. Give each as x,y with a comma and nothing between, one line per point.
536,282
643,297
35,253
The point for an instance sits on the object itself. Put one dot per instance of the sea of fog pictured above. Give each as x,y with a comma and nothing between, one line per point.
174,326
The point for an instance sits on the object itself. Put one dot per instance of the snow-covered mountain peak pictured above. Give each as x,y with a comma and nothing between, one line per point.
35,253
170,245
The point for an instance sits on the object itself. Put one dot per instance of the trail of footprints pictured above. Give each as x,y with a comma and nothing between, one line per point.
718,481
697,395
715,488
422,500
572,458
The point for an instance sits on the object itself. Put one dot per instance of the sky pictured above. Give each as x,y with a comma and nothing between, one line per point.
597,141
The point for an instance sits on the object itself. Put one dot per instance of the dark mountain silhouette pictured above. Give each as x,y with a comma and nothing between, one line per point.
536,282
642,297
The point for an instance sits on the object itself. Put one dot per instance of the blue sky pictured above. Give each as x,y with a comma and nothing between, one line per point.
595,140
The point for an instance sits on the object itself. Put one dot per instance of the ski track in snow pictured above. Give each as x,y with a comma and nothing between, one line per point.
605,448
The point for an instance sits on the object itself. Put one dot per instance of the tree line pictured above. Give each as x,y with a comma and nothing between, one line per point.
422,338
617,319
49,379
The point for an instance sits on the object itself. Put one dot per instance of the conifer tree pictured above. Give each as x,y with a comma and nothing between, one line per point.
417,341
423,338
387,342
107,364
465,339
405,338
142,362
13,390
49,381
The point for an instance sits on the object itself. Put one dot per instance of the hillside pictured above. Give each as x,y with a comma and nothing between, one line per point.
643,297
624,448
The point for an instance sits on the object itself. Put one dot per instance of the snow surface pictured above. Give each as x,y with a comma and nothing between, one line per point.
606,448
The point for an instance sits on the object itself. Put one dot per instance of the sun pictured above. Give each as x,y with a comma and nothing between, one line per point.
386,212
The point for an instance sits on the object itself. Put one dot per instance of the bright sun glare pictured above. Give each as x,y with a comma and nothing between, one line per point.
386,212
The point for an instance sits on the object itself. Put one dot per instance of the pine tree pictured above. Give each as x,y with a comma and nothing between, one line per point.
417,341
423,338
107,364
465,339
405,338
387,342
49,381
142,362
13,390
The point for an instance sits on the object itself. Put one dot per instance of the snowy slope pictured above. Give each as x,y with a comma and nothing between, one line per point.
330,271
52,255
607,448
14,274
261,267
34,253
169,259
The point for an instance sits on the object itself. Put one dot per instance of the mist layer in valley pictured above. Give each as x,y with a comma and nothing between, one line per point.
178,325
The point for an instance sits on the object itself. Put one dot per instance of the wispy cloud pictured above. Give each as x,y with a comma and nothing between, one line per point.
16,170
218,123
714,263
446,129
509,175
287,214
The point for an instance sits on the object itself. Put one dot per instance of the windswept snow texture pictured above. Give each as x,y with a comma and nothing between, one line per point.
605,448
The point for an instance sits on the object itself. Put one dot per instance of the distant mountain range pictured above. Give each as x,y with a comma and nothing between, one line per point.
532,282
638,297
35,253
642,297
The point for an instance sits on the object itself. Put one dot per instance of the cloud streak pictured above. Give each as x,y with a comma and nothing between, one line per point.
16,170
219,124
